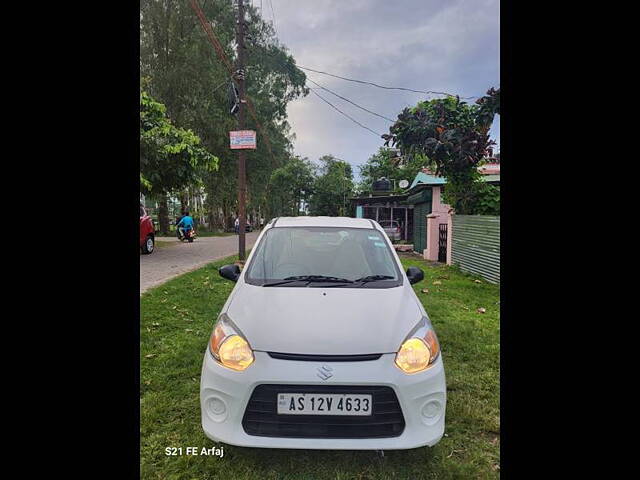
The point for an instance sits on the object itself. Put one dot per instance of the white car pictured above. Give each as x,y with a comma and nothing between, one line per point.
323,344
392,229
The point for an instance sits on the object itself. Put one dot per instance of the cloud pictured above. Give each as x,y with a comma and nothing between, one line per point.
443,45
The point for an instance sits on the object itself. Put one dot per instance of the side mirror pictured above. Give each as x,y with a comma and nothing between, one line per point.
414,274
230,272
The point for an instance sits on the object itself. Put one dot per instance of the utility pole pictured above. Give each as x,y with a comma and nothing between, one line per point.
242,181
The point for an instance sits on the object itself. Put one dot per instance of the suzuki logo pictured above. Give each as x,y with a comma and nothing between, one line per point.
324,372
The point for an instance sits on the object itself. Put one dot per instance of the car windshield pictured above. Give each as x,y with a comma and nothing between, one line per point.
347,254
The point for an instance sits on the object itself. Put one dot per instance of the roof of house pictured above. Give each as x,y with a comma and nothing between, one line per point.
427,179
345,222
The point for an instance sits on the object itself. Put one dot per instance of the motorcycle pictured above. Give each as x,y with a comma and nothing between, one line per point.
190,235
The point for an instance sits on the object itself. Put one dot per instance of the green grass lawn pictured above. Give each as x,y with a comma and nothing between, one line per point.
176,321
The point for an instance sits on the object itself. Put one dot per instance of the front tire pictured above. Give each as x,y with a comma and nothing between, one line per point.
149,245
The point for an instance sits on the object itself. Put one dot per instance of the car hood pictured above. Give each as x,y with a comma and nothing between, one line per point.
333,321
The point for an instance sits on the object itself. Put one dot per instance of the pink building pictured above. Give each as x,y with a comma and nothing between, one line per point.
439,217
432,217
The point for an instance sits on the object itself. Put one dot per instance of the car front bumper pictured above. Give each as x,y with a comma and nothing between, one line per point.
224,395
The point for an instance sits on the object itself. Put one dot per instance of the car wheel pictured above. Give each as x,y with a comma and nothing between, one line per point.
149,245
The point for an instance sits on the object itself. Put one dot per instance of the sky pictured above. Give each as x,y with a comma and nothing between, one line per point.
443,45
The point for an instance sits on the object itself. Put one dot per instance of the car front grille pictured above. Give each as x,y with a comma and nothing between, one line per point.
261,417
303,357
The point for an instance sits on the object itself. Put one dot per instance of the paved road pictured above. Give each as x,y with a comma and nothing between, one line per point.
170,261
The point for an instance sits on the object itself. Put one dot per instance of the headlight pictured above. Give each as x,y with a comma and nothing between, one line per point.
228,346
420,350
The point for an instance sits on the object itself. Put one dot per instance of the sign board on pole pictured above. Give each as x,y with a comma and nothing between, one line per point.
242,139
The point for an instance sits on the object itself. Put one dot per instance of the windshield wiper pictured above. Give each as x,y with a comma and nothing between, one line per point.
308,279
373,278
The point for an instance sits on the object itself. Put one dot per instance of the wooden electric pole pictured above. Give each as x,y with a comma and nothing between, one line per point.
242,181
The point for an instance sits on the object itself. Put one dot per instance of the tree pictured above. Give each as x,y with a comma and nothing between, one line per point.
454,136
291,186
488,201
171,158
386,164
186,75
332,188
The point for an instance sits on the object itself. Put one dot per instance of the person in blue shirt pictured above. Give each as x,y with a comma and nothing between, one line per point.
185,224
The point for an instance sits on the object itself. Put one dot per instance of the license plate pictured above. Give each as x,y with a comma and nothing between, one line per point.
324,404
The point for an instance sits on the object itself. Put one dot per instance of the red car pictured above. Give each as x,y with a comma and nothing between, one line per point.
147,232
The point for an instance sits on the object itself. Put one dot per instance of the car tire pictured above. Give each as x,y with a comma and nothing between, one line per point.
149,245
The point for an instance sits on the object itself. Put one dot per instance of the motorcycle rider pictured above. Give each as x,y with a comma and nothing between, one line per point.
185,224
177,221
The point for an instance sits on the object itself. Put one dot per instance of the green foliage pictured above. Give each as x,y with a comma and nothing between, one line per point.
385,164
484,199
325,189
290,186
145,185
489,106
332,188
185,74
454,136
488,201
171,158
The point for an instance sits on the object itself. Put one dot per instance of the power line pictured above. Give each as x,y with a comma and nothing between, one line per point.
430,92
427,92
364,82
352,103
336,108
225,82
346,115
223,58
212,38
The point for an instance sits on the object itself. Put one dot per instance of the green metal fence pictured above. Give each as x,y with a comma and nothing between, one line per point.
475,245
420,212
422,208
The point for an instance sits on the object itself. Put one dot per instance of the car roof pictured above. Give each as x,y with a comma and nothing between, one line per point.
345,222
